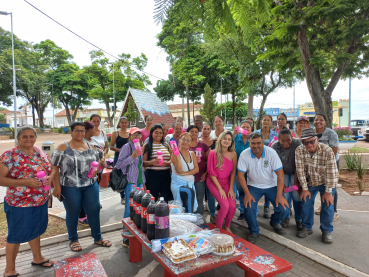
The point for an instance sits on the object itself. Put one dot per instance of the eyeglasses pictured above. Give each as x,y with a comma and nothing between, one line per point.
309,142
136,134
79,131
186,140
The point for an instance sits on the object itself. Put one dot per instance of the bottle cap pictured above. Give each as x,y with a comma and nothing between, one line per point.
94,164
198,149
147,191
134,186
142,188
136,140
137,188
153,198
40,174
161,198
159,153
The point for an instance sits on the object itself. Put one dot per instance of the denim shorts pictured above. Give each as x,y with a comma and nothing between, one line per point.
25,223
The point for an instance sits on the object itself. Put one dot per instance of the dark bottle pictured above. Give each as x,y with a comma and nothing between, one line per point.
132,216
146,199
131,201
138,207
162,220
150,219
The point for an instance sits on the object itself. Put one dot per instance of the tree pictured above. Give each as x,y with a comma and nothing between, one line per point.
2,117
71,86
241,110
131,112
125,77
329,38
209,110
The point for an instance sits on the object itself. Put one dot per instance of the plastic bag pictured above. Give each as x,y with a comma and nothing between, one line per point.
176,207
194,218
180,227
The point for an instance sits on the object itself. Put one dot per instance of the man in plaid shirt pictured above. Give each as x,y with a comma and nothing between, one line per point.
316,169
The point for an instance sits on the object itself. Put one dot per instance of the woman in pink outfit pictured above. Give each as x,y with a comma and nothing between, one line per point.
222,163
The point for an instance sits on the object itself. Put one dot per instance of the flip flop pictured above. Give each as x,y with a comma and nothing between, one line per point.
74,246
42,264
16,275
104,243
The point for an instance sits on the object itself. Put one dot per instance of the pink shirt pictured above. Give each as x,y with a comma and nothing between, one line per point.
224,174
145,134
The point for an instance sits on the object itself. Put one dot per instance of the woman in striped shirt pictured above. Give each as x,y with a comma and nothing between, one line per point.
158,177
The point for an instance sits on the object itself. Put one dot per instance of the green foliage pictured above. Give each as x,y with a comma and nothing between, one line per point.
361,171
2,117
353,161
101,73
2,109
209,109
343,133
131,112
60,130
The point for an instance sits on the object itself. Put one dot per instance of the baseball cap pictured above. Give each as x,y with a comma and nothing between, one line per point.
134,130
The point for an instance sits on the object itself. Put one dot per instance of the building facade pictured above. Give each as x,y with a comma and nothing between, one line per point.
176,110
340,112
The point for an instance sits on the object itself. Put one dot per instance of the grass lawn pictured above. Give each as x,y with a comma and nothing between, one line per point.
359,149
55,227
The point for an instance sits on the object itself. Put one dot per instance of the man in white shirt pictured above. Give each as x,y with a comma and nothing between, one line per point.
265,177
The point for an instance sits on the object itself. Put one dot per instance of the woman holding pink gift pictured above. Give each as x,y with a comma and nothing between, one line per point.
285,148
202,151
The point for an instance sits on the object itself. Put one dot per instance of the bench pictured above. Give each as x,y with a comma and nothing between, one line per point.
253,260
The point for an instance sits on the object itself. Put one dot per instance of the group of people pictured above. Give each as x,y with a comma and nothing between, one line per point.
231,166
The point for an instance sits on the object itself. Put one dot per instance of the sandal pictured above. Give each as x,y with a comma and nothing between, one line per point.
14,275
74,246
42,264
104,243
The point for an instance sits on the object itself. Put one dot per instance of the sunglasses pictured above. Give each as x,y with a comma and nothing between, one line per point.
309,142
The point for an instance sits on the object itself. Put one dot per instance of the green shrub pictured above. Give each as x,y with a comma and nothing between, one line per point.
343,133
60,130
352,160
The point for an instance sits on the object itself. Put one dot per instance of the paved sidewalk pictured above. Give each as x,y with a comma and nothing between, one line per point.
115,259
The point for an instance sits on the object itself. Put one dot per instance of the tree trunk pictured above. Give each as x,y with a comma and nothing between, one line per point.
234,118
68,114
188,105
193,110
33,115
258,122
250,106
313,81
108,111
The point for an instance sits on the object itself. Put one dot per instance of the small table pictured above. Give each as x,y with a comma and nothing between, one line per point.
202,264
105,178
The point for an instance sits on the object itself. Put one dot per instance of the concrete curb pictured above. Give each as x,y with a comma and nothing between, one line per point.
309,253
64,237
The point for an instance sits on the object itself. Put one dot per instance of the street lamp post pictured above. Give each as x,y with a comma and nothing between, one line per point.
52,93
113,96
14,79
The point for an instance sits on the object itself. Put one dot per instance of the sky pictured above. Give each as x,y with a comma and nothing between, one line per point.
122,26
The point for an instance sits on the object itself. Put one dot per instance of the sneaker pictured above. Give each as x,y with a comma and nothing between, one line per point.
100,206
317,211
125,243
213,219
285,223
206,207
123,201
241,217
252,238
266,212
278,228
299,225
83,222
303,233
335,216
327,238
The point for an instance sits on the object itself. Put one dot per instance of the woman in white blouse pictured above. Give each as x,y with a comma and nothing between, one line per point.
99,135
218,123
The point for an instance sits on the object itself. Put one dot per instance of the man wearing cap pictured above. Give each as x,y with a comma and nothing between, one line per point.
301,123
316,169
264,178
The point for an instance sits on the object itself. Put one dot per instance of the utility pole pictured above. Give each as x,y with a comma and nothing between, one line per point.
349,123
294,105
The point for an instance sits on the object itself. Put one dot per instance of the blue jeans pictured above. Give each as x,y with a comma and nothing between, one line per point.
241,194
75,199
211,202
127,191
250,213
292,196
326,213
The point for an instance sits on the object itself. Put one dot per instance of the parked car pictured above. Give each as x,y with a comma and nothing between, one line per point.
359,127
366,135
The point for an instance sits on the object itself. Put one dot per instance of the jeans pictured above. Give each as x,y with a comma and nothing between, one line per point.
211,202
326,213
267,202
200,192
241,194
127,191
88,198
292,196
250,213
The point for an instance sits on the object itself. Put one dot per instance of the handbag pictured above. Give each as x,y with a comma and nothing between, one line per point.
118,181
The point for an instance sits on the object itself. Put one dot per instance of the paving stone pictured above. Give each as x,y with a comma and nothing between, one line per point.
322,268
